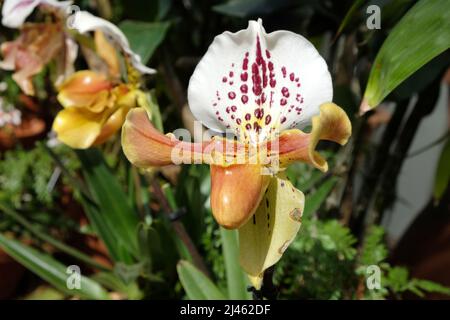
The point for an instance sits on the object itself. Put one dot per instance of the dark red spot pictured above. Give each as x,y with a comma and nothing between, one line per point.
231,95
231,74
227,109
270,65
244,99
245,64
233,108
248,116
268,119
256,78
259,113
292,76
283,71
259,71
232,116
267,54
238,121
231,83
273,83
283,119
244,88
244,76
283,101
224,79
248,126
285,92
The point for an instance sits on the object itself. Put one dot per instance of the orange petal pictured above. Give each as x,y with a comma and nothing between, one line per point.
331,124
36,46
108,53
86,89
236,192
8,51
112,125
146,147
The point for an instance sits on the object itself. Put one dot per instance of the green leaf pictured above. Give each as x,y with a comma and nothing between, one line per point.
49,239
374,250
144,37
349,16
113,217
430,286
155,111
316,198
113,282
442,172
419,37
51,270
245,8
236,279
336,237
196,284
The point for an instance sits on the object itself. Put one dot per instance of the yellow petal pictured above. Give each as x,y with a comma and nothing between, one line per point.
125,97
266,236
112,125
236,192
108,53
78,128
331,124
86,89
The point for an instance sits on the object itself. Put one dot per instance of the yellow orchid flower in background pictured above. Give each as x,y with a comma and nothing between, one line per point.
94,109
260,87
96,104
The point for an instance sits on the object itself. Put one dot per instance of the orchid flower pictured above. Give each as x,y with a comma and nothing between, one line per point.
15,12
261,87
95,104
38,43
84,22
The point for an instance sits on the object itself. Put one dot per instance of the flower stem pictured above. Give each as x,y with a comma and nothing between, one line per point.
179,229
